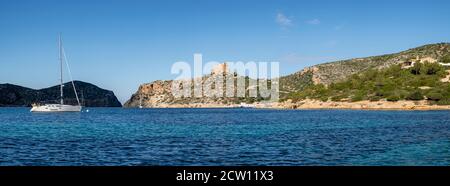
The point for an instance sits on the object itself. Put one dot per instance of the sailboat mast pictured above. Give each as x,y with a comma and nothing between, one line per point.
61,68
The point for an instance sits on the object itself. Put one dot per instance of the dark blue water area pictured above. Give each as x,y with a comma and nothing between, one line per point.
117,136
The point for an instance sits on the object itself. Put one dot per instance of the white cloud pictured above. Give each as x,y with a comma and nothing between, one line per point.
283,21
313,22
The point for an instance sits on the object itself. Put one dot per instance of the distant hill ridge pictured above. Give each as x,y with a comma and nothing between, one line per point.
93,96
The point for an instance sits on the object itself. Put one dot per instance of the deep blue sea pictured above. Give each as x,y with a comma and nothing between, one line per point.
116,136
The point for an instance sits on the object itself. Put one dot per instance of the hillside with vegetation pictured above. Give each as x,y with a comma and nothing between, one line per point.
332,72
423,81
90,95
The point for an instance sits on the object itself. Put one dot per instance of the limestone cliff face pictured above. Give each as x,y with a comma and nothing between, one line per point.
151,95
158,94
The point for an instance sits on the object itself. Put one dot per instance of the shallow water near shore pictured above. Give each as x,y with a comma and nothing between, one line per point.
117,136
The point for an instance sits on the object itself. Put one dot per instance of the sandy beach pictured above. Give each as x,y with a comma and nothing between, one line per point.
362,105
316,104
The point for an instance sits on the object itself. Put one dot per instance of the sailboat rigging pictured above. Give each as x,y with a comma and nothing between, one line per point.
61,107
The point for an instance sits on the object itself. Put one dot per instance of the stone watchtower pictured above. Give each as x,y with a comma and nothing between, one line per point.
220,69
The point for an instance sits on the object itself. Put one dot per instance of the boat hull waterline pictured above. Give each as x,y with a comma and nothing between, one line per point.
56,108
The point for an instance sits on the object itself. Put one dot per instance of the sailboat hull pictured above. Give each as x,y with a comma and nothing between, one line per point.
56,108
60,107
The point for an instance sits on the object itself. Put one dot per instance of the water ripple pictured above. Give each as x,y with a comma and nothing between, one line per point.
113,136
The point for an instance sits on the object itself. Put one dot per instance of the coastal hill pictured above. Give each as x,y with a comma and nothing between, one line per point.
158,94
89,94
319,82
332,72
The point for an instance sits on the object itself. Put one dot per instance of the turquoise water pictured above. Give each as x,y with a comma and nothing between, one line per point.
116,136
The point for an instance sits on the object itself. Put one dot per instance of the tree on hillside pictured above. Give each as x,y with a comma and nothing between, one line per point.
416,68
431,68
427,68
445,59
415,95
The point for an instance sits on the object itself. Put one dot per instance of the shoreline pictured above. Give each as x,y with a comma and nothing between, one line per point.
319,105
364,105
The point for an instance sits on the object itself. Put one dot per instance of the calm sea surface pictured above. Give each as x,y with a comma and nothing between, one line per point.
116,136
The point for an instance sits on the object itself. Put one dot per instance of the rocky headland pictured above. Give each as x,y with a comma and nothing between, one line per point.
317,87
89,94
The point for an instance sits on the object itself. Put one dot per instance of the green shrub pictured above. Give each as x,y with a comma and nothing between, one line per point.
435,96
323,98
402,93
445,101
431,68
374,98
357,98
379,94
393,98
416,69
445,59
416,95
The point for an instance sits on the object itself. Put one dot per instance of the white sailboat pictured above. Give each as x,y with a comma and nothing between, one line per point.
61,107
140,102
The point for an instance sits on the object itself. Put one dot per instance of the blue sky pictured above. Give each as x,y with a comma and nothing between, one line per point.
119,45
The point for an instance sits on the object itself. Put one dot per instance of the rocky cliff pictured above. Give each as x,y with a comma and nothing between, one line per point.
89,94
157,94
